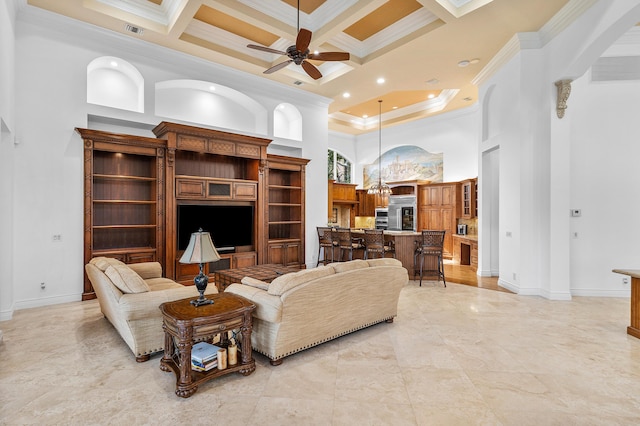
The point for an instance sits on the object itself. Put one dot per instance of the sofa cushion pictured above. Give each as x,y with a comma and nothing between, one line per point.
286,282
352,265
384,261
103,263
126,279
255,283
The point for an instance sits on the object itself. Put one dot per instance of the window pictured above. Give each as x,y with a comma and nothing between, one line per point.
338,167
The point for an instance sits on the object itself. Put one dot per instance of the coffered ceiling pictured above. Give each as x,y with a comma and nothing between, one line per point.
418,56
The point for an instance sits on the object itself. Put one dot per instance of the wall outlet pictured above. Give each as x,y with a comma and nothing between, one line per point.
574,235
625,280
42,285
576,212
508,233
57,238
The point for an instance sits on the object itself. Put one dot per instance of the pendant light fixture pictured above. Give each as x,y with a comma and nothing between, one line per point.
379,188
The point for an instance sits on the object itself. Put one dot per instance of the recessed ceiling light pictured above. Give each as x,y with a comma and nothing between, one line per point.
474,61
315,52
212,88
433,81
395,107
463,63
113,63
380,80
468,99
365,116
346,95
431,96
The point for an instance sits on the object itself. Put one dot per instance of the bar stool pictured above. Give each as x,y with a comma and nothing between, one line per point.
325,242
431,246
347,242
374,244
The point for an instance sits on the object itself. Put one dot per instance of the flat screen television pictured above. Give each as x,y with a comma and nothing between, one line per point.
230,226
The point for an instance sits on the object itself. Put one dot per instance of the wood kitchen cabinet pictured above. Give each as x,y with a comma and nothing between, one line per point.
438,209
366,203
469,195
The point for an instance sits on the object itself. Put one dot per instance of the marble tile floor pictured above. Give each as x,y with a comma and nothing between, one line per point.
456,356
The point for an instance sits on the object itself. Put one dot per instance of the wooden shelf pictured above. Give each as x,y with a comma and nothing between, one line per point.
123,177
124,226
124,202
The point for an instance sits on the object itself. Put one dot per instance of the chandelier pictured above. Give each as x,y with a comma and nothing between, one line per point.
379,188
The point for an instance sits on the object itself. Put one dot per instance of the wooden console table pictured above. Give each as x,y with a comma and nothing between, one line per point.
634,328
185,324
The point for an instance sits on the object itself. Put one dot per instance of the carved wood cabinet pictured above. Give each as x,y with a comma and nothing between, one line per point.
285,222
136,188
123,198
438,208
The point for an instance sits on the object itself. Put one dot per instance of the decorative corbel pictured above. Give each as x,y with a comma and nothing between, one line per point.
564,90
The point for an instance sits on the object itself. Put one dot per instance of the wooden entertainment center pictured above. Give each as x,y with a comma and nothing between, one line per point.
135,187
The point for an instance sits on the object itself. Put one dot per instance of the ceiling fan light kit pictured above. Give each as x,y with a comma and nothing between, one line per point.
299,53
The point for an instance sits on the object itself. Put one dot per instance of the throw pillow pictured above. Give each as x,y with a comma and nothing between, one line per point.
103,263
255,283
126,279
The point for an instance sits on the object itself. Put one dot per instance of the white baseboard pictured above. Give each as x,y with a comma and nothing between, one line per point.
591,292
46,301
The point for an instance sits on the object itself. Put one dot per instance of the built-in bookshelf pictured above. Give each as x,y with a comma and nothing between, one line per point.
285,204
123,198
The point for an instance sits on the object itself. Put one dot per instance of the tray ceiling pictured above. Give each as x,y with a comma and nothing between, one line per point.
416,46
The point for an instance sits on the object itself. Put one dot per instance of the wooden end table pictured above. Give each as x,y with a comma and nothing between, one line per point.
185,324
267,273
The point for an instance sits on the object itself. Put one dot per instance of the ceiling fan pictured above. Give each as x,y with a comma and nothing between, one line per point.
299,53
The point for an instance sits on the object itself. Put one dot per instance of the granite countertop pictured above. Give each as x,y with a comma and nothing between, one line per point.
466,237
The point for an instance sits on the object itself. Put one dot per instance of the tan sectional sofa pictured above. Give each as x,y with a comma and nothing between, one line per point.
303,309
130,296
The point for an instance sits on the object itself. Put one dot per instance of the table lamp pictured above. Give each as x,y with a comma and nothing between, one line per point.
201,251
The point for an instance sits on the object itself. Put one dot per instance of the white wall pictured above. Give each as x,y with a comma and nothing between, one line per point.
538,154
7,99
48,163
605,183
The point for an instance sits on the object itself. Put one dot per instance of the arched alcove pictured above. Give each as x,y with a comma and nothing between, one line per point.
210,104
287,122
115,83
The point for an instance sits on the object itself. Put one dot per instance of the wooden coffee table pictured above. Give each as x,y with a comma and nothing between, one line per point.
267,273
185,324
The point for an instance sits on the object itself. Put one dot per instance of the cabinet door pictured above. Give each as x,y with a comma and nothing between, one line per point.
242,260
292,254
448,224
448,195
434,196
434,219
276,253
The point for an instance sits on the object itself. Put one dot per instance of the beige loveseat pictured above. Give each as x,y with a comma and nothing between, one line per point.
130,296
303,309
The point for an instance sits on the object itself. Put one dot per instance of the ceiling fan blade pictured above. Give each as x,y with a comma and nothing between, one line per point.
329,56
277,67
311,70
303,40
266,49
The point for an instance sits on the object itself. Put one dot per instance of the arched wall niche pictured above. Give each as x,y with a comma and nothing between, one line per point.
115,83
287,122
210,104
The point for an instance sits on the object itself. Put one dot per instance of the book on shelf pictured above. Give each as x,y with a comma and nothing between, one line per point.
204,367
202,352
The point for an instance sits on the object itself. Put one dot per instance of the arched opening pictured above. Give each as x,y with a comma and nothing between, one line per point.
114,82
211,104
287,122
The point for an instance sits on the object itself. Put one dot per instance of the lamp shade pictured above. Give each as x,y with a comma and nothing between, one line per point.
200,249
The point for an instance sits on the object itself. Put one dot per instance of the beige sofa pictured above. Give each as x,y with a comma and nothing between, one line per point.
130,296
303,309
